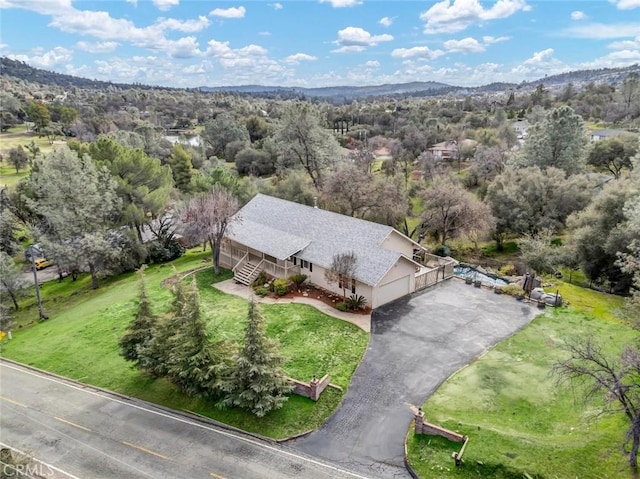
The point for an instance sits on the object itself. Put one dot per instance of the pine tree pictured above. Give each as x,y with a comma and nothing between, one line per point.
140,330
256,381
194,362
155,355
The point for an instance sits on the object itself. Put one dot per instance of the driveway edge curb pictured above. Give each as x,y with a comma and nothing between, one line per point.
407,464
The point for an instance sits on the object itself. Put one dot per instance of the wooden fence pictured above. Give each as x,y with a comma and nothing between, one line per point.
434,270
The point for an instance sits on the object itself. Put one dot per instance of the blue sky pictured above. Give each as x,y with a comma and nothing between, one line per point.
188,43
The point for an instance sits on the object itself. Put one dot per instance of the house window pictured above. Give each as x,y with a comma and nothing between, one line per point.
306,265
353,286
295,261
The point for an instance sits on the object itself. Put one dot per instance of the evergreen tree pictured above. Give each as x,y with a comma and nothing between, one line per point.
194,363
155,355
559,140
256,381
181,168
139,331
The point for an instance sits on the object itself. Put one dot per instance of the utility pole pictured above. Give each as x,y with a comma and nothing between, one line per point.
41,315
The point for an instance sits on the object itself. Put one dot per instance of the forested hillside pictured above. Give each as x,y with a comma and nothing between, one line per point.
514,165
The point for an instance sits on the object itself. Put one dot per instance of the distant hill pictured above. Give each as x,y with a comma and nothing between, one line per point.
612,76
348,92
23,71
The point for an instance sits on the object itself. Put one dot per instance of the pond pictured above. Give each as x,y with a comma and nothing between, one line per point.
487,279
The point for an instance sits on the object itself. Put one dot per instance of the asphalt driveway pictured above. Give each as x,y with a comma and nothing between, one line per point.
416,343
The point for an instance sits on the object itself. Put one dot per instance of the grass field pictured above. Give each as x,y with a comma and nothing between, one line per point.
521,424
80,341
18,136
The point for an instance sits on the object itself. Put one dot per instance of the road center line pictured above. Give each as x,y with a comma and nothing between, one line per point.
216,476
71,423
13,402
144,449
253,442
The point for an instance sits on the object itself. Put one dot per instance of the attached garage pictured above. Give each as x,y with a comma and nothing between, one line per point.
393,290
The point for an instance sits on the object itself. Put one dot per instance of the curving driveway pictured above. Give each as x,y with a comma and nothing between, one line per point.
416,343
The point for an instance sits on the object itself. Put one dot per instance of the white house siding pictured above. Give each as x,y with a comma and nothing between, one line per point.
317,277
405,271
397,242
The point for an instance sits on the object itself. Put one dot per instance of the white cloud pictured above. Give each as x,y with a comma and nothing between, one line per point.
358,37
603,31
489,40
232,12
97,47
349,49
133,2
48,60
264,34
386,21
621,58
165,5
342,3
540,64
276,6
578,15
466,45
186,47
44,7
372,64
626,4
186,26
299,57
453,16
416,52
626,44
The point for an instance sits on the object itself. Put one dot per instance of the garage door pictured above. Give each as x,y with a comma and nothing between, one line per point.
393,290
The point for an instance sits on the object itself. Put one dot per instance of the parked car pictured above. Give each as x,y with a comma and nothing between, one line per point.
42,263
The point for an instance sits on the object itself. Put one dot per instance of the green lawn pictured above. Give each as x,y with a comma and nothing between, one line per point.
520,423
80,341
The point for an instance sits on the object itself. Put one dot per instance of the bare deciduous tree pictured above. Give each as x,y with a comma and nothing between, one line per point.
618,381
342,270
205,218
451,211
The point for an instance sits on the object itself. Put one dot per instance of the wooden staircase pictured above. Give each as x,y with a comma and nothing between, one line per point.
247,273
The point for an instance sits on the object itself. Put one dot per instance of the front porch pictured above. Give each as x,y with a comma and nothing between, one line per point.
247,263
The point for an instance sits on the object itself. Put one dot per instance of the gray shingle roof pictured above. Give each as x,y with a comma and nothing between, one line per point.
282,228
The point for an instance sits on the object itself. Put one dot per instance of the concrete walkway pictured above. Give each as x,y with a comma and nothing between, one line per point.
363,321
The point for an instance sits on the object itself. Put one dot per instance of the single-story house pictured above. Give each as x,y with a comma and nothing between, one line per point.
283,238
445,150
597,135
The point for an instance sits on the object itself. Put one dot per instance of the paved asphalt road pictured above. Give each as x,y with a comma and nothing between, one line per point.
416,343
90,434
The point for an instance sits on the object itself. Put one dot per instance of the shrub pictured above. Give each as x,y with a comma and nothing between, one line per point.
261,280
507,270
342,307
281,286
356,302
261,291
298,279
162,253
512,289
